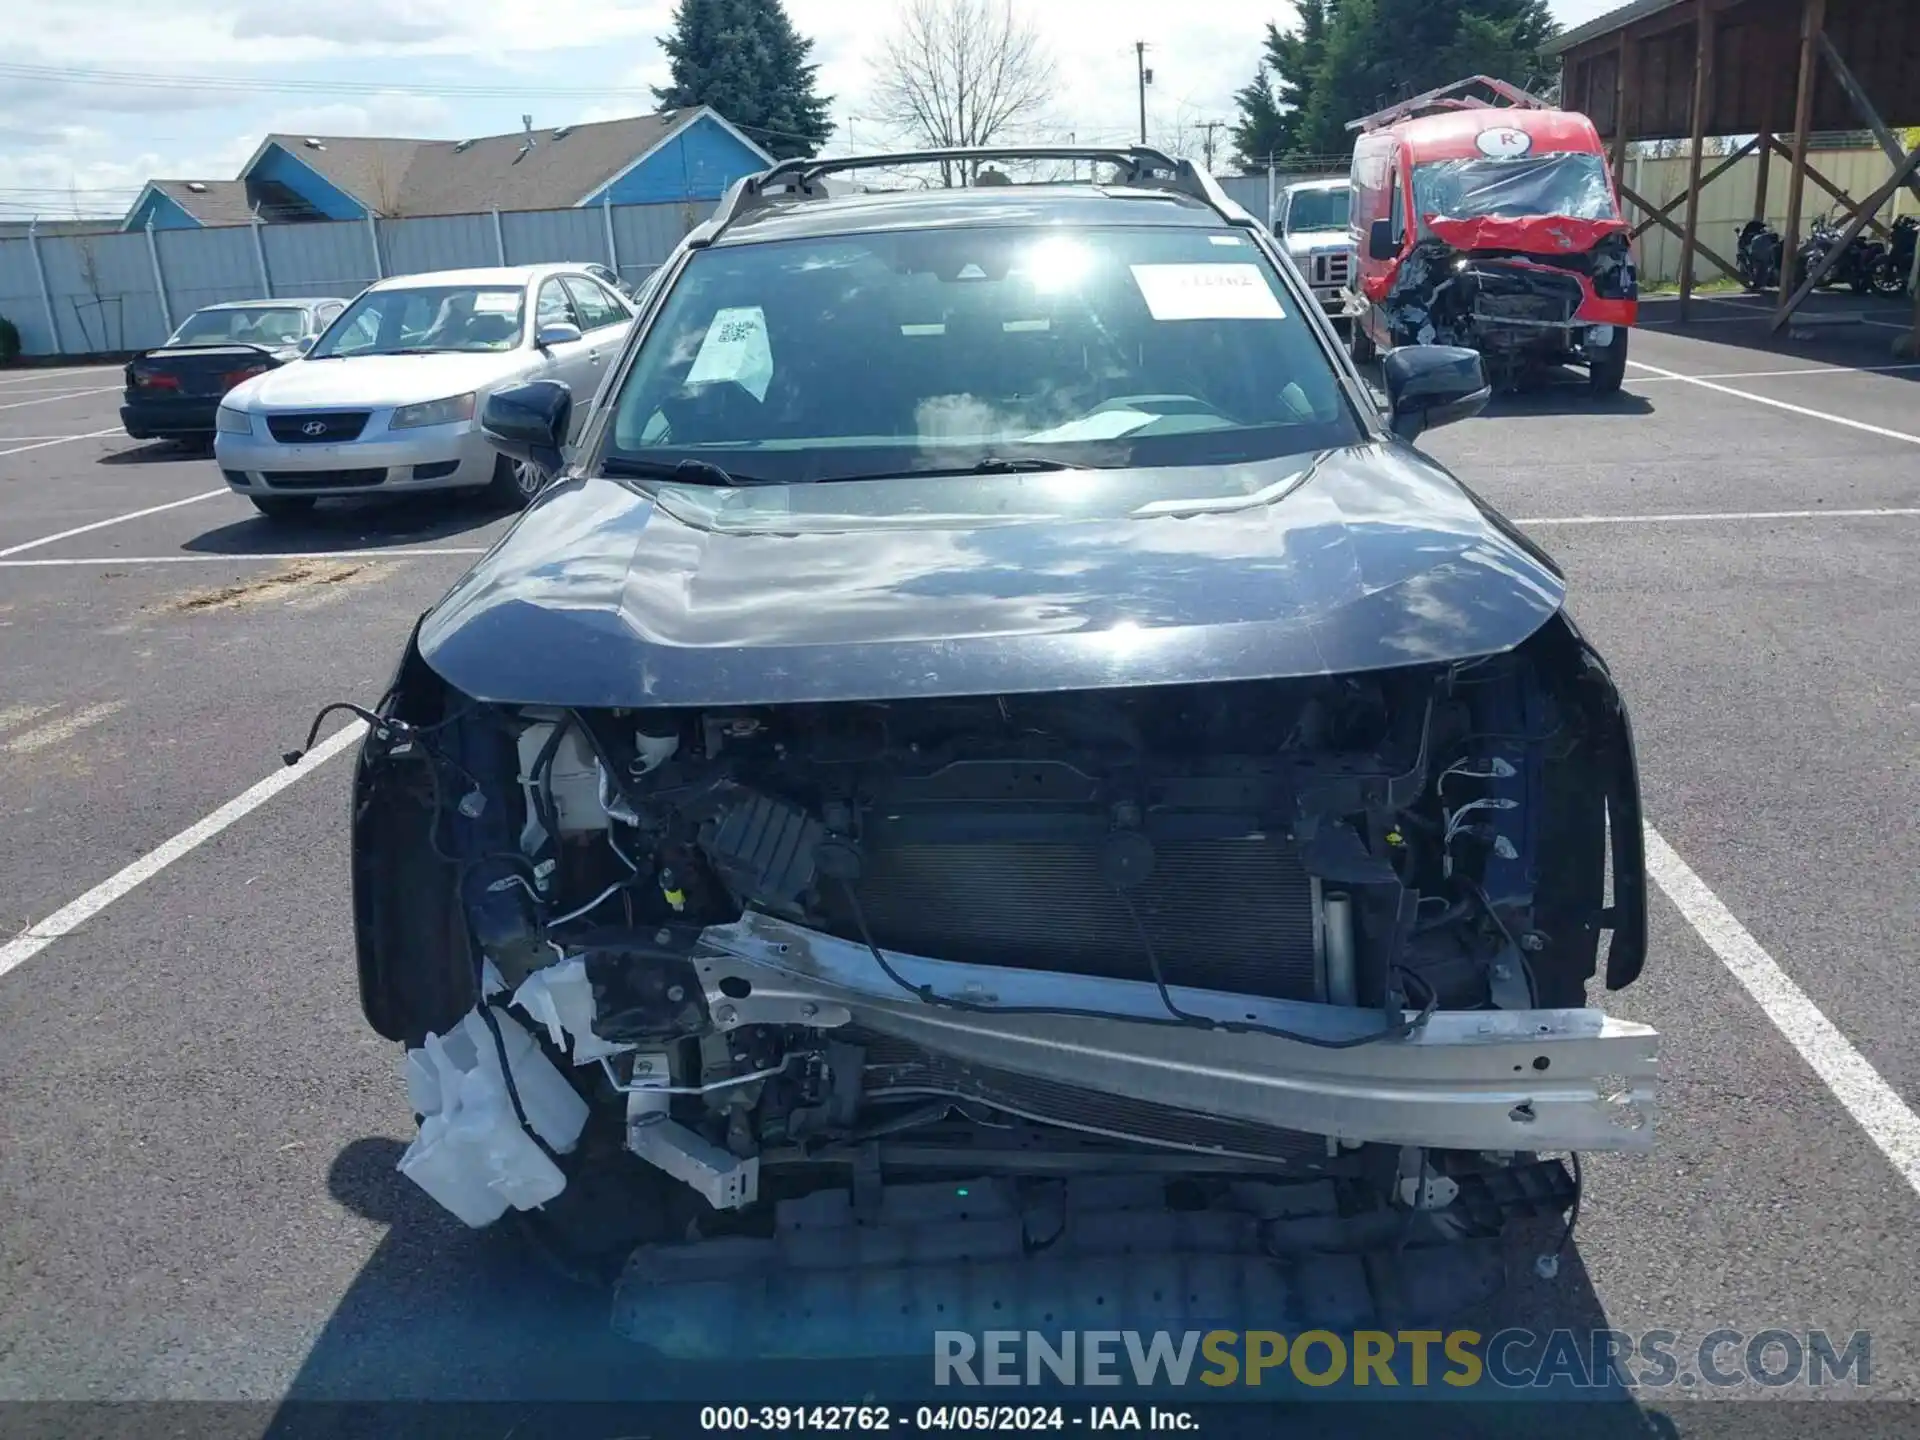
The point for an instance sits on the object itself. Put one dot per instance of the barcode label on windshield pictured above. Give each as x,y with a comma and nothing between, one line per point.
1207,292
736,349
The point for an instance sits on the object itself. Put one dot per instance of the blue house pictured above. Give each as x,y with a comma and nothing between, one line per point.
669,157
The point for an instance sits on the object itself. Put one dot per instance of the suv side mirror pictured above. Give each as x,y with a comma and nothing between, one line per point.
557,332
1430,385
1382,244
305,343
530,422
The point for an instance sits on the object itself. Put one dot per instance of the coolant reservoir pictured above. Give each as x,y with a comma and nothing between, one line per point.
574,779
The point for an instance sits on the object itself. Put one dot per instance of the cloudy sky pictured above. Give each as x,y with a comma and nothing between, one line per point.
98,95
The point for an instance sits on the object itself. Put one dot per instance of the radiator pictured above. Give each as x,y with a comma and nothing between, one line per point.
1231,915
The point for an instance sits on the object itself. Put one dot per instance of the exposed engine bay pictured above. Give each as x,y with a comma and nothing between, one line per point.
1339,927
1520,309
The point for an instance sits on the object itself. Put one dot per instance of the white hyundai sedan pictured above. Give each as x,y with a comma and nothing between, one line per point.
387,400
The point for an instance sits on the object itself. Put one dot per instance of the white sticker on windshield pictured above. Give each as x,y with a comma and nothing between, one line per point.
1101,425
736,349
1207,292
496,302
1225,240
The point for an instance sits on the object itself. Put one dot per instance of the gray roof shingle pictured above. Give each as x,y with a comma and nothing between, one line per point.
216,202
441,177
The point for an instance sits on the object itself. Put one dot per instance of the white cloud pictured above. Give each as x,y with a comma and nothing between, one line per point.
351,22
195,36
420,116
57,132
1199,58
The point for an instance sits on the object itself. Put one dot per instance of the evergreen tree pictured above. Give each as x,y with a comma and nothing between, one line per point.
1271,107
745,59
1351,57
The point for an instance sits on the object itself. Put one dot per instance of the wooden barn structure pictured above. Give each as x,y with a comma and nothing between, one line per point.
1773,70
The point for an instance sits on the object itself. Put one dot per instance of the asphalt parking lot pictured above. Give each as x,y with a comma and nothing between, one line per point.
196,1175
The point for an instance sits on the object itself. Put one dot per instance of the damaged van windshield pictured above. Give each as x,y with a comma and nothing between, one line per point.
1573,185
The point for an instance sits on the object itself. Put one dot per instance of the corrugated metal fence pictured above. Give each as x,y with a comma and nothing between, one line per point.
84,294
1727,203
1249,192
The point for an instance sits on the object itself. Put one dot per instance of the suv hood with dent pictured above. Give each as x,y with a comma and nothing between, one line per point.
1362,558
377,381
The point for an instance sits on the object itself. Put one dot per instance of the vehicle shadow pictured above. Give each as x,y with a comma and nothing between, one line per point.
1565,392
441,1314
159,452
356,524
1559,391
1830,329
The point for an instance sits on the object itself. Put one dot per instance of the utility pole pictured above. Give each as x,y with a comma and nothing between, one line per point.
1207,145
1146,79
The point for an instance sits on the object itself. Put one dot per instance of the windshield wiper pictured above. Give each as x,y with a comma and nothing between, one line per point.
991,465
686,472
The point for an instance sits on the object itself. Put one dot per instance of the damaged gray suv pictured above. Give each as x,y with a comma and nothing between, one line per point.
998,778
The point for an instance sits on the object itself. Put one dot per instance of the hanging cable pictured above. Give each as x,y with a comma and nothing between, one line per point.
1175,1015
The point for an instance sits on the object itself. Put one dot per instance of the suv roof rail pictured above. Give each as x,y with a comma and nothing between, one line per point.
1452,97
798,178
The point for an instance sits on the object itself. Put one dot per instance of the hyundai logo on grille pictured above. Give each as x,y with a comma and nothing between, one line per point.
314,427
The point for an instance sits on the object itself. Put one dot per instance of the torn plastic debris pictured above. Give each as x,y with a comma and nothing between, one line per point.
471,1154
560,997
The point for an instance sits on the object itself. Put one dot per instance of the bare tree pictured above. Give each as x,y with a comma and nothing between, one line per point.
960,72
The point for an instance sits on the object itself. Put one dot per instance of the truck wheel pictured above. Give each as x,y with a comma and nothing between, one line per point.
1607,368
282,507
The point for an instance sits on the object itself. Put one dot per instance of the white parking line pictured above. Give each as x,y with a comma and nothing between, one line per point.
63,395
1831,419
1697,320
1880,1111
64,921
1804,370
29,377
65,728
57,440
263,555
115,520
12,715
1703,516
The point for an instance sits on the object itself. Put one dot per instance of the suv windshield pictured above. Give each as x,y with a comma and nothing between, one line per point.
1573,185
1317,210
427,319
892,352
251,326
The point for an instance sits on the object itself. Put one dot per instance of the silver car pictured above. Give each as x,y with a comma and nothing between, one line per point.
387,400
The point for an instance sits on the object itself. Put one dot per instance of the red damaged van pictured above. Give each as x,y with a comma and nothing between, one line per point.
1493,227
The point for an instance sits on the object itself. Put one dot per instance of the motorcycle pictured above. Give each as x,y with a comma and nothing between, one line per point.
1854,268
1895,267
1758,255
